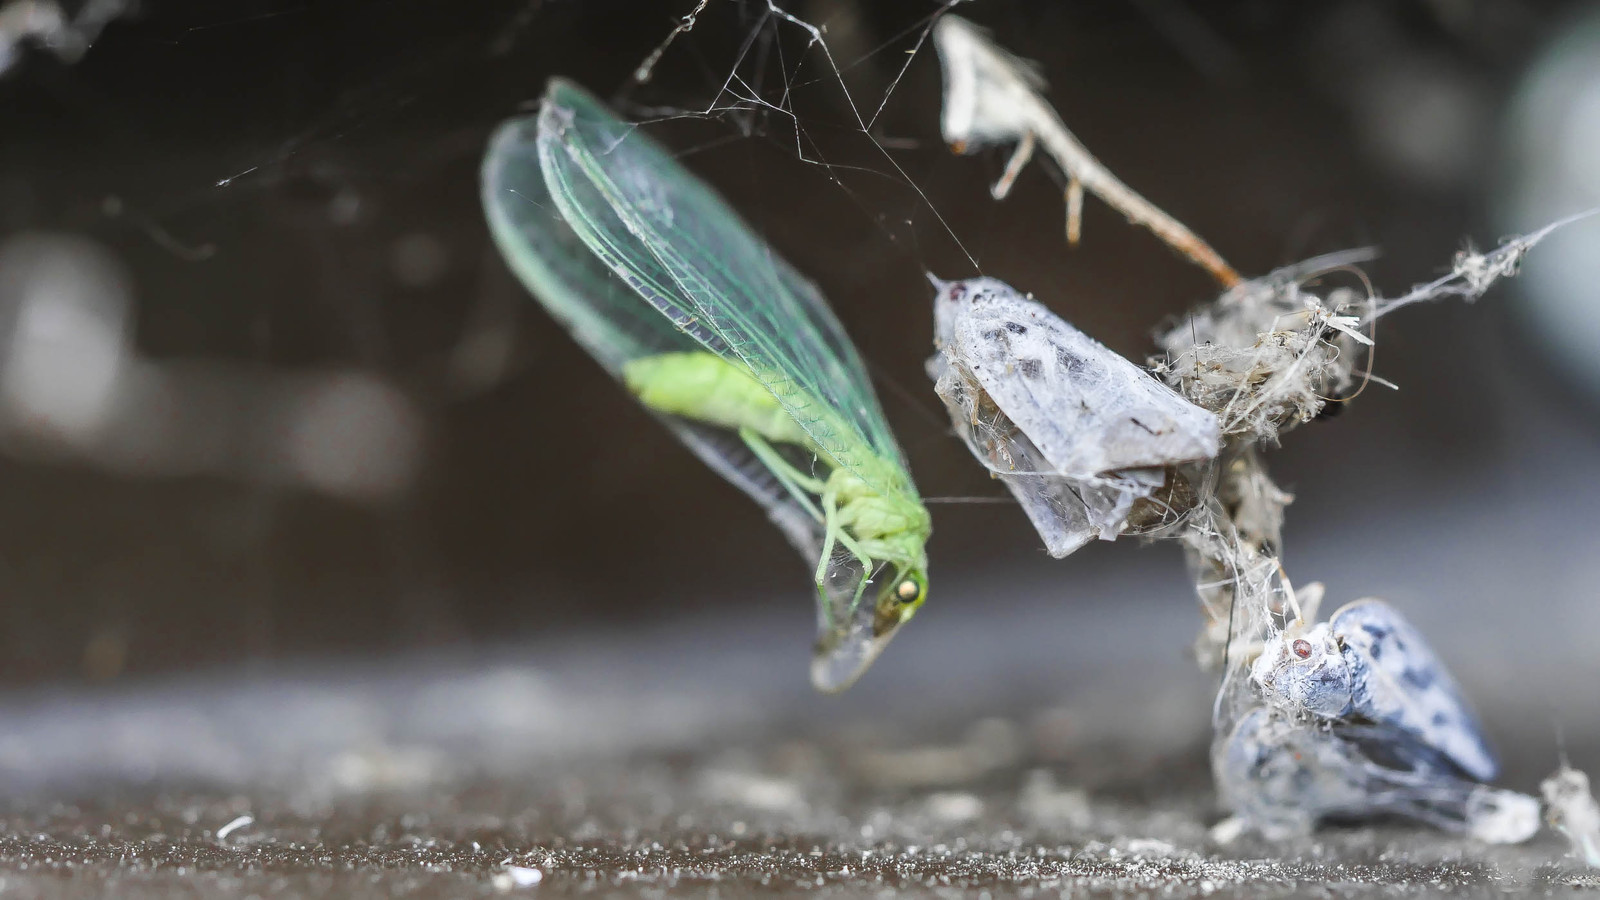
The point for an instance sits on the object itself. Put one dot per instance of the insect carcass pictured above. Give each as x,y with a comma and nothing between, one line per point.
1368,663
1090,444
1356,717
734,350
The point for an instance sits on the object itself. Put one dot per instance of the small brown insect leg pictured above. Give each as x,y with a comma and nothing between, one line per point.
1074,211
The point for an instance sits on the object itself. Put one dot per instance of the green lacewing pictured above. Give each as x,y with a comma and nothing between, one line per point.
736,352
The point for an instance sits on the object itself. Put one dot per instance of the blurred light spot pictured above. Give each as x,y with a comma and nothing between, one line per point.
754,790
385,769
1042,801
954,806
1424,122
1421,116
1553,140
105,655
512,877
349,434
418,260
354,435
482,357
345,207
65,301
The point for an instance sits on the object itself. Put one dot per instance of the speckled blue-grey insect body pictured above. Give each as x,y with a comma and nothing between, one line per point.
1368,663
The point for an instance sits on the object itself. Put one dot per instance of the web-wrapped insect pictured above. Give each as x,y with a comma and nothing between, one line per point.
1090,444
1356,717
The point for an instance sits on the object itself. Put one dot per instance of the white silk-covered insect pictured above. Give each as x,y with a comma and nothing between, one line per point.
1368,664
1079,434
1357,717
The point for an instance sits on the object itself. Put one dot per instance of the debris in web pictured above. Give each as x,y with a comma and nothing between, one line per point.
1267,355
992,96
1473,273
1089,443
1252,500
1271,353
645,69
1570,809
1236,573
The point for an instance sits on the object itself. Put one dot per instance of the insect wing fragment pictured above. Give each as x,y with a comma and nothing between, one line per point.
1399,681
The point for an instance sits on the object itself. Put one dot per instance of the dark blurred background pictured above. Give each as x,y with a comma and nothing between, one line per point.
267,393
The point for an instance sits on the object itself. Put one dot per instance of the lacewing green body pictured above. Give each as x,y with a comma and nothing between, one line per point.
736,352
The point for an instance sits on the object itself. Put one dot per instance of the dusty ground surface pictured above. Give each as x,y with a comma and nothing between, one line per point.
693,760
771,822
